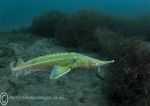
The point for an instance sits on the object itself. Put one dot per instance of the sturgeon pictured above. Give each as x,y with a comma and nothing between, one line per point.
60,63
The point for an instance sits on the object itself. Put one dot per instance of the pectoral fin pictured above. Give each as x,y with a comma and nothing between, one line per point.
59,71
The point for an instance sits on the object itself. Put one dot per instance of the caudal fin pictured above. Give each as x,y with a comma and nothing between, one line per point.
13,65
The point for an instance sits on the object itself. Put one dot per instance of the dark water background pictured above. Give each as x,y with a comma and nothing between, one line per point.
16,13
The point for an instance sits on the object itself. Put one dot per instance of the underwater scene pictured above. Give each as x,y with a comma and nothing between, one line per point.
75,53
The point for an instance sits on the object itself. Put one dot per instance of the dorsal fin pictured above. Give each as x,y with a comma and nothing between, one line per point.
20,61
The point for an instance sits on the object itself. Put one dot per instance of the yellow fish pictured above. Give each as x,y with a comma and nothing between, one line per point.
60,63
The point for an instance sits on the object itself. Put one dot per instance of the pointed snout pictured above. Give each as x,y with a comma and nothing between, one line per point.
100,63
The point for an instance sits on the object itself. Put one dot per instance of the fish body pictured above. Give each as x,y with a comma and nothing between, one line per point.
60,63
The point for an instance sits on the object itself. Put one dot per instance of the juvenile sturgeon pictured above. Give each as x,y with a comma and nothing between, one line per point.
60,63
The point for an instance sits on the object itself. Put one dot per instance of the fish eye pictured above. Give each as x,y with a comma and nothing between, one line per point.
92,62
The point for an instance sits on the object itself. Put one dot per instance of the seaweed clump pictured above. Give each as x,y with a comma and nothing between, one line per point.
128,81
45,24
77,29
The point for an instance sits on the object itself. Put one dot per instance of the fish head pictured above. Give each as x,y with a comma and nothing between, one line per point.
98,63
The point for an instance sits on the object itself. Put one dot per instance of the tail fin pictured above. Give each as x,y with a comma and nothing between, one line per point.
12,68
12,65
19,62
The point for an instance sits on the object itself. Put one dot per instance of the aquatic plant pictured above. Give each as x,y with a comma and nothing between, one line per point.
105,41
78,29
142,26
44,25
128,81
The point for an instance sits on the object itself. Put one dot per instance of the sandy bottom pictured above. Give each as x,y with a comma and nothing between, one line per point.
80,87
